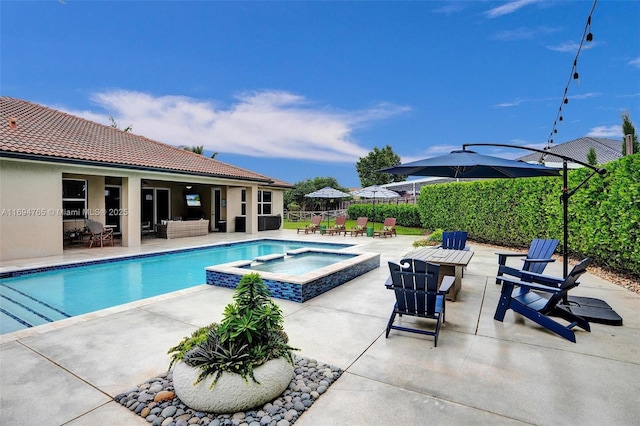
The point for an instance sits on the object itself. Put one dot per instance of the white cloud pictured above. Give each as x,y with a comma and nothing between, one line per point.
522,33
606,132
571,47
451,7
567,46
508,8
509,104
518,102
585,95
272,124
635,62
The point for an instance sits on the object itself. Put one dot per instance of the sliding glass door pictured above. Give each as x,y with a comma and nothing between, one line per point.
156,206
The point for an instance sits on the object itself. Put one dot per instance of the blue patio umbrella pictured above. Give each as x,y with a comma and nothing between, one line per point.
465,164
468,164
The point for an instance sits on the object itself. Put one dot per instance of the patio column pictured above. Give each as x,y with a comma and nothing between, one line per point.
252,209
131,187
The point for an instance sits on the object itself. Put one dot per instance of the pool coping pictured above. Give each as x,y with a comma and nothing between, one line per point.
10,272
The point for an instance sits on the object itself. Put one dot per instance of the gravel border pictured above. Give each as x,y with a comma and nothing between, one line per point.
155,400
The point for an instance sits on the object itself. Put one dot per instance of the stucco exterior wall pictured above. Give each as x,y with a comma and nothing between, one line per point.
31,223
30,206
277,202
234,209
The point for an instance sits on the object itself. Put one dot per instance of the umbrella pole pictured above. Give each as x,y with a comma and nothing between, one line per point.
326,210
373,213
565,219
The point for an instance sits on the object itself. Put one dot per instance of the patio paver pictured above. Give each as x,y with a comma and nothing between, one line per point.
482,372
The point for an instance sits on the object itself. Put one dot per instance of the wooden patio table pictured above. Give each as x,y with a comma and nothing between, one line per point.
451,262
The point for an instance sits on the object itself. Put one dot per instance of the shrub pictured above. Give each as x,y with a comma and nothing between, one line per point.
604,214
433,239
405,214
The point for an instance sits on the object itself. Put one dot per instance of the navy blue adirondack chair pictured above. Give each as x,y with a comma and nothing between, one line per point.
454,240
519,296
415,284
535,260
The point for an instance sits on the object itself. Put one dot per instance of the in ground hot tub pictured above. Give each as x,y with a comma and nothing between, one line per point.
299,275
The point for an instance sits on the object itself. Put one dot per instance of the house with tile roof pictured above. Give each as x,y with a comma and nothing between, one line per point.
57,170
606,150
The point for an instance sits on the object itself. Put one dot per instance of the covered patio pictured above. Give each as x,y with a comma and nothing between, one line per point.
482,372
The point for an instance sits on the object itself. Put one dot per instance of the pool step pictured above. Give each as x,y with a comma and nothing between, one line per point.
19,308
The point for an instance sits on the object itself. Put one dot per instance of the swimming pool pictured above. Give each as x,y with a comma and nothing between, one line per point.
299,264
39,296
290,277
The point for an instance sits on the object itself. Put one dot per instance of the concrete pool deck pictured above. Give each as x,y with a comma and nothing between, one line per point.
482,372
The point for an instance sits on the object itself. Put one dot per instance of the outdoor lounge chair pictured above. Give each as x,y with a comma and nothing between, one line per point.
415,284
388,228
519,296
313,226
360,228
338,226
454,240
99,235
535,260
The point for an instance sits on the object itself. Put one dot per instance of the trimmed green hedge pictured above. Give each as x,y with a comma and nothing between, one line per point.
604,214
405,214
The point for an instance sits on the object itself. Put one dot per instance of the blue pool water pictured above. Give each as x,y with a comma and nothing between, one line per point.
38,298
301,263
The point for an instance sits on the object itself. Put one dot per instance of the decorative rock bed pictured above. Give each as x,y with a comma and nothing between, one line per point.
155,400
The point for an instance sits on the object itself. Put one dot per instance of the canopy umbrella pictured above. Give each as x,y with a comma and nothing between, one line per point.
469,164
327,192
375,191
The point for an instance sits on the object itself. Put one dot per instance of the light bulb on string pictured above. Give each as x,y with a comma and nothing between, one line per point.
589,35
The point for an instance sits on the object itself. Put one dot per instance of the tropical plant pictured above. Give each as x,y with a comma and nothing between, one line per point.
197,149
250,334
114,124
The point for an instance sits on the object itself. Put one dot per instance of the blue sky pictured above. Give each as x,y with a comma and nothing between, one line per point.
297,90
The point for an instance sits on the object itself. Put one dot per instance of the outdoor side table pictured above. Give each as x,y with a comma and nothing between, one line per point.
452,262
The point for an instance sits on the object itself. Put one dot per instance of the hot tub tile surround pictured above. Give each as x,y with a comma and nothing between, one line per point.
302,287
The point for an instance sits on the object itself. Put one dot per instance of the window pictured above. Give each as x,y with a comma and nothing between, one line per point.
264,202
243,203
74,199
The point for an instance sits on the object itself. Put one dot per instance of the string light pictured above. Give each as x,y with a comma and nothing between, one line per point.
587,35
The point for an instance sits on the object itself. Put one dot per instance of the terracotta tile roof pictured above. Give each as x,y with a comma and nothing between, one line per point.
43,133
606,150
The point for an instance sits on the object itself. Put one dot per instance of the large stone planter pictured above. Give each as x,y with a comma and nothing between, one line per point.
231,392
